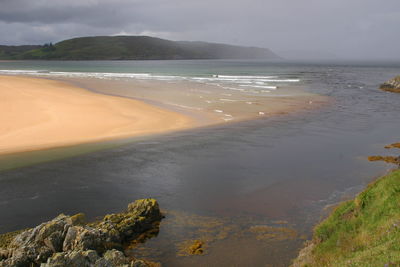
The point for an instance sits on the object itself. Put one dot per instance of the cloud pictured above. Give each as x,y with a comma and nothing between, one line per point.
344,27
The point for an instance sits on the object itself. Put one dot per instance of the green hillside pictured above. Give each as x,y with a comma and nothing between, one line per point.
10,52
361,232
135,47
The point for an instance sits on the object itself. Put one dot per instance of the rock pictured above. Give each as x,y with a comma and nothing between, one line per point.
392,85
55,241
89,258
147,208
387,159
139,218
116,257
395,145
86,258
88,238
34,246
196,248
5,253
68,241
139,263
78,219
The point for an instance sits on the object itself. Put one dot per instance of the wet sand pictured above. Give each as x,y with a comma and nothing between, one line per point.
208,103
40,113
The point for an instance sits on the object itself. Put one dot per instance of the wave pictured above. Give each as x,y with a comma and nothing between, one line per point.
244,80
260,86
22,71
244,77
227,82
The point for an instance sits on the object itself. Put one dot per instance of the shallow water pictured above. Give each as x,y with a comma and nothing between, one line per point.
230,177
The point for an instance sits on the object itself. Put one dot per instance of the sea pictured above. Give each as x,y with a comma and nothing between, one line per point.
251,191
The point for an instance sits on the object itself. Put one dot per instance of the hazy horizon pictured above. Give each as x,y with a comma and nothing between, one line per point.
355,29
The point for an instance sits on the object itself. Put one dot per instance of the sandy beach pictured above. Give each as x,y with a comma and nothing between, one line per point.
40,113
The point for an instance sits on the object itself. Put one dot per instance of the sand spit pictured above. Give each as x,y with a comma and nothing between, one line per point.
40,113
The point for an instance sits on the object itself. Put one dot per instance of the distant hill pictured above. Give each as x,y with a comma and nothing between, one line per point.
132,47
9,52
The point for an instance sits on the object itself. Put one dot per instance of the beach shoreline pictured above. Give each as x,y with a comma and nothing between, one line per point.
40,113
114,114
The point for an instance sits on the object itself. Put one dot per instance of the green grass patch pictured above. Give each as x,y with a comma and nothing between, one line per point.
364,231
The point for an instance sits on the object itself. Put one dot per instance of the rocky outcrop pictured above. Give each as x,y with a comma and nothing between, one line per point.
69,241
90,258
392,85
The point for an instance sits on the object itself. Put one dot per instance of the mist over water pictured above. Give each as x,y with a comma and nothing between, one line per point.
251,173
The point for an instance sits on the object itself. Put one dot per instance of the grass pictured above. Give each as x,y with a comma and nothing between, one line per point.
364,231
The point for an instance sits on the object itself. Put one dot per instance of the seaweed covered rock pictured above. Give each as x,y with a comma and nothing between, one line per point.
392,85
139,218
69,241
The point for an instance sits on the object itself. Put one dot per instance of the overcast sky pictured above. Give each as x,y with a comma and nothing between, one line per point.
368,29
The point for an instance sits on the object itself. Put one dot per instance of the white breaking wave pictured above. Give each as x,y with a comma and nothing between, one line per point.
228,100
260,86
255,84
227,78
244,77
22,71
282,80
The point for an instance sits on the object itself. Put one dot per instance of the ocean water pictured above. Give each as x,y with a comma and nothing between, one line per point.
237,76
220,183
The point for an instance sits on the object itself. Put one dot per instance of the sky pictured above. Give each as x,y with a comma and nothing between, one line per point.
343,29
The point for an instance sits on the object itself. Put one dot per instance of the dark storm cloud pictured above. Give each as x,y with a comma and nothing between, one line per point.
347,28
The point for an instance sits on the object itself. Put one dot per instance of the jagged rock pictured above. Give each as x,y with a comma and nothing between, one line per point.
5,253
116,257
139,218
88,238
392,85
67,241
54,241
90,258
78,219
86,258
35,245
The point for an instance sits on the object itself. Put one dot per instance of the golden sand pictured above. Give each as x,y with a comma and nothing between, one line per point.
39,113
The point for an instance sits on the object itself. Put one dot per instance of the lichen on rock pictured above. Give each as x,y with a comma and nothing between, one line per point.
69,241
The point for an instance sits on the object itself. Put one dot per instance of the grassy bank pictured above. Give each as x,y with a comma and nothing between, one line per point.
360,232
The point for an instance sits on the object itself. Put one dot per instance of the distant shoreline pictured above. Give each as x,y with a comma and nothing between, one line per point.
132,48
